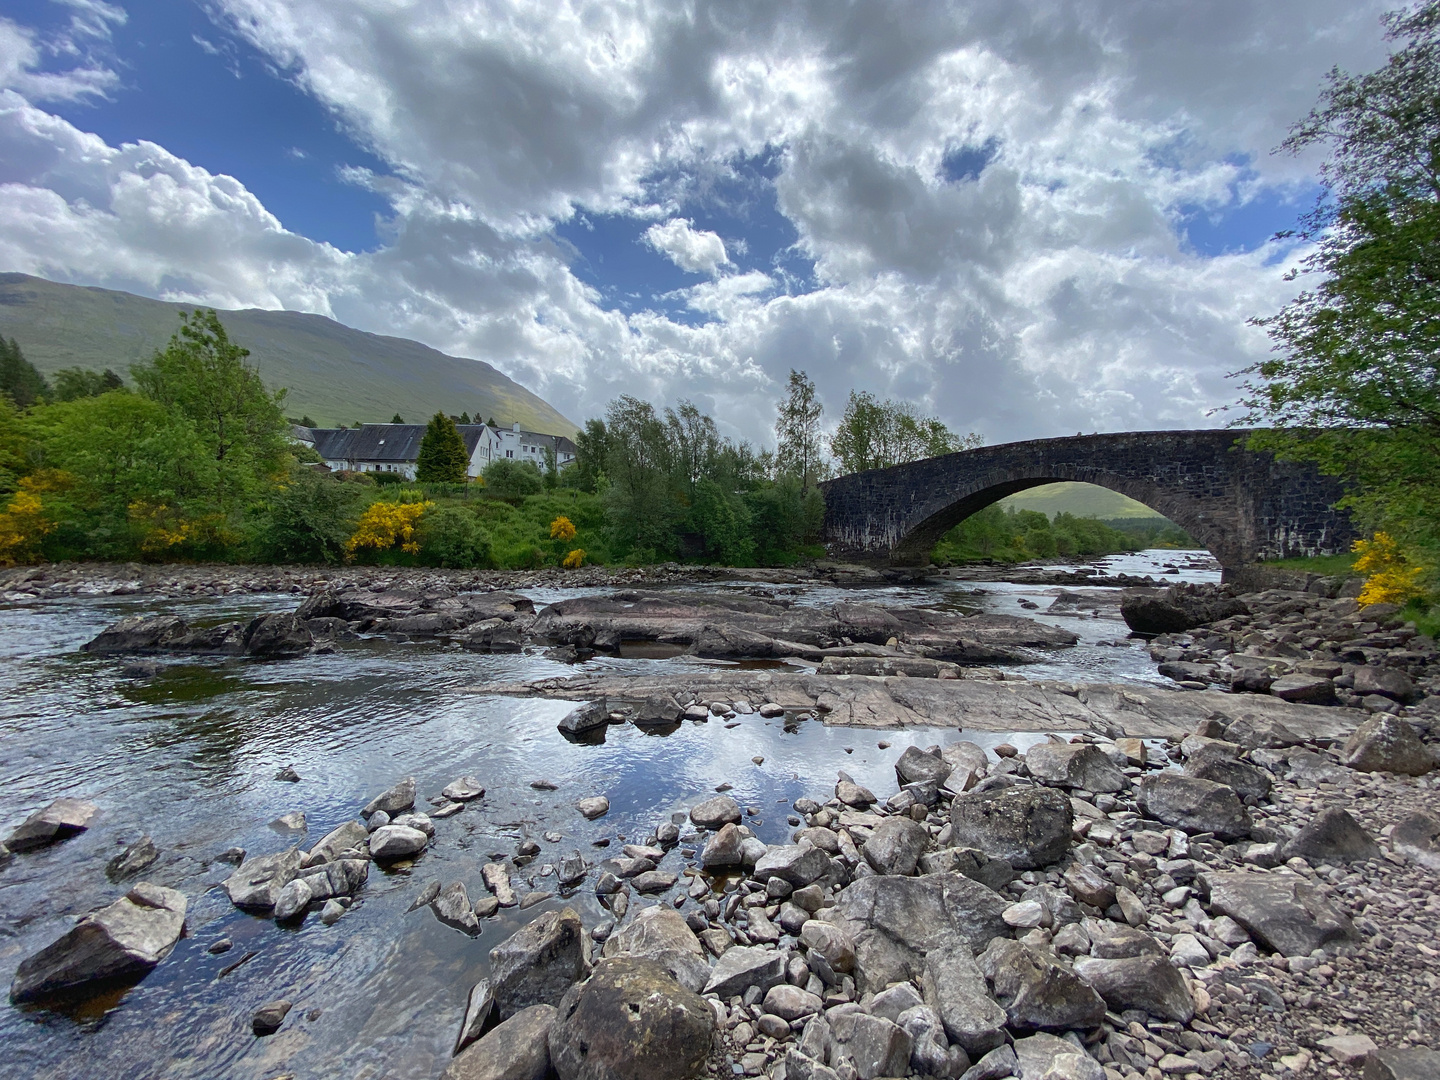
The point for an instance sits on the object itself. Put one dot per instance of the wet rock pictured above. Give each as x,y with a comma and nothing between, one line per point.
852,794
1051,1058
1282,910
396,800
1037,990
894,847
571,870
653,881
795,864
1416,838
332,912
955,988
294,821
1140,982
452,907
660,935
658,710
1332,836
715,813
464,789
278,636
516,1049
137,633
742,967
595,806
479,1006
132,860
1074,765
396,842
916,766
350,836
1185,802
1387,682
257,883
486,907
723,849
121,941
591,715
497,880
421,822
1306,689
378,820
61,820
288,775
1385,743
1027,827
538,963
1175,610
268,1018
630,1021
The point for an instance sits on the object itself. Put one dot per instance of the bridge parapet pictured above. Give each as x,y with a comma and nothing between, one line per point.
1245,506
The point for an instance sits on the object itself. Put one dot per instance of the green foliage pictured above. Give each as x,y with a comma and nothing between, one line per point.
1353,382
307,519
442,457
641,508
506,478
74,382
386,479
1010,536
19,380
592,447
453,536
13,445
797,432
202,377
877,434
397,419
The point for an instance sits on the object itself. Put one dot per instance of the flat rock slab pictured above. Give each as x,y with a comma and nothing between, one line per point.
1284,911
982,701
63,818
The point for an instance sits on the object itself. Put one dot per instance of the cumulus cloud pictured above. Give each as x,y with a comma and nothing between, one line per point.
695,250
1050,291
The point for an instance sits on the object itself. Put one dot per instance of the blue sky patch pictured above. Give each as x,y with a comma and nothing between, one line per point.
968,162
1241,227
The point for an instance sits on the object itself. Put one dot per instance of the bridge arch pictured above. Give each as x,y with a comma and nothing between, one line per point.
1244,506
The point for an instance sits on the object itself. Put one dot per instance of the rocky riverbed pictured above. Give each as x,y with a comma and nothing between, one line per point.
1014,876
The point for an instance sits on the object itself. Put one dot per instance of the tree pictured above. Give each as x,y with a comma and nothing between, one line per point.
397,419
307,518
464,418
639,506
202,375
506,478
592,446
19,378
1353,380
443,458
797,432
74,382
876,435
695,445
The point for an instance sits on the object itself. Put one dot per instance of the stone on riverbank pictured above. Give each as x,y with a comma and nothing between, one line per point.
1074,765
1027,827
1387,744
61,820
587,717
391,842
1195,805
1332,836
1150,983
1175,610
278,636
716,812
538,963
515,1049
1416,838
122,941
257,883
1037,990
660,935
394,801
1284,911
132,860
630,1021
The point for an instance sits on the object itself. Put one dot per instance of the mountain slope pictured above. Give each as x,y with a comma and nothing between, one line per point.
335,374
1082,500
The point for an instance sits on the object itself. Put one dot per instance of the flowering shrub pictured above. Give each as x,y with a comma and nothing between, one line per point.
166,532
1389,579
386,526
25,522
574,560
562,529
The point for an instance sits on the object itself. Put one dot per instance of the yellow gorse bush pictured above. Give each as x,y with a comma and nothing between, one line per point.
385,526
562,528
166,530
1389,578
24,522
574,560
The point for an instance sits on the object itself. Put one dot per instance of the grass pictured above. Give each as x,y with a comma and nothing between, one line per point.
1330,565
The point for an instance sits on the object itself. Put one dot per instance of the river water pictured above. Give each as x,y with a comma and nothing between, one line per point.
189,758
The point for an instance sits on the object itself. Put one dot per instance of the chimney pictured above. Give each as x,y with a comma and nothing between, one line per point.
516,427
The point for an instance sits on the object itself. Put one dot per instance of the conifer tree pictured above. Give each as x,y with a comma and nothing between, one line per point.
18,377
442,456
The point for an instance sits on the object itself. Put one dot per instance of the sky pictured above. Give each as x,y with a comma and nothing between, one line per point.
1028,218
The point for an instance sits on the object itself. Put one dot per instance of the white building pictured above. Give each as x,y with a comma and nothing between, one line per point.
395,448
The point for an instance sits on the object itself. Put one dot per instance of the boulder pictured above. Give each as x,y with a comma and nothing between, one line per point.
832,942
538,963
1116,941
1027,827
122,941
1332,836
1305,689
740,968
895,846
396,800
631,1021
137,633
478,1008
278,635
660,935
1150,983
391,842
61,820
266,1020
1219,768
1037,989
895,921
132,860
1385,743
1050,1058
875,1047
791,1002
915,766
592,807
591,715
955,988
465,789
1175,610
795,864
976,865
516,1049
352,835
1074,765
1395,1063
257,882
657,710
931,1054
1416,838
723,850
452,907
1185,802
713,813
1387,682
1280,909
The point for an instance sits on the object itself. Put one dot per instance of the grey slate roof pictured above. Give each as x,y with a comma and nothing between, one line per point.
395,443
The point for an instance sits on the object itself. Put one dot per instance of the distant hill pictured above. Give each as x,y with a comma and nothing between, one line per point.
1082,500
335,374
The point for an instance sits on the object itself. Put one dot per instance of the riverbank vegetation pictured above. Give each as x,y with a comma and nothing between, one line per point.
1352,383
1006,535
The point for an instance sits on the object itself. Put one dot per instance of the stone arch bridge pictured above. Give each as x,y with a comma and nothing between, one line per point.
1243,505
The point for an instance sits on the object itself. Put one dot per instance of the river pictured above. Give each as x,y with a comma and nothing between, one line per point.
189,757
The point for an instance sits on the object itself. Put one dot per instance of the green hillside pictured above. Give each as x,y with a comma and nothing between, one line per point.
335,374
1082,500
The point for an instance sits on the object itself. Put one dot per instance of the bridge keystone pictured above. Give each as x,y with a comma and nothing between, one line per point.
1243,505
